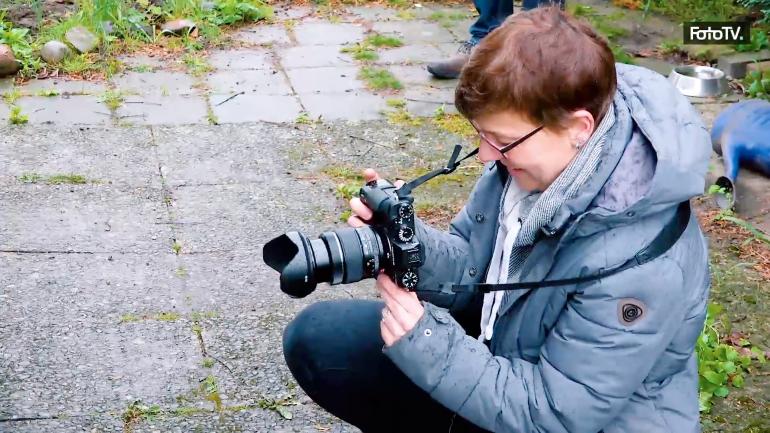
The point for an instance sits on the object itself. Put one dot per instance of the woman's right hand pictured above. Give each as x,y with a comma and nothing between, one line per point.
360,212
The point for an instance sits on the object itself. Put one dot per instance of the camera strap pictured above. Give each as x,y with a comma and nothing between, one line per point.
666,239
451,166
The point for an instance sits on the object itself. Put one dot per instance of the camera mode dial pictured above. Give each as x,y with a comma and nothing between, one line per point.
405,234
409,279
406,210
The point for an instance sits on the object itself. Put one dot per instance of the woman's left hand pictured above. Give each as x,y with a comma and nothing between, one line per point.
402,310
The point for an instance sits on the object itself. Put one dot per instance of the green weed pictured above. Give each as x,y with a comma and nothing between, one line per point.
16,117
379,41
380,79
113,99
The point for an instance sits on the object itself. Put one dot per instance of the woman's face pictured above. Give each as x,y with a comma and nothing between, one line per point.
539,160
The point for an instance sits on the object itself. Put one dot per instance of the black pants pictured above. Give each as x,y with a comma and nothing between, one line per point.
334,351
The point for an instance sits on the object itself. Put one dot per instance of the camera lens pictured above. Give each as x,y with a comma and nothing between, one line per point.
336,257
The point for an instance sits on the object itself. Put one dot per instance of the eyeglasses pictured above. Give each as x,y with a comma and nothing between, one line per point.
508,146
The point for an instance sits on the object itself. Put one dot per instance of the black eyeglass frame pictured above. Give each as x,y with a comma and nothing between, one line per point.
508,146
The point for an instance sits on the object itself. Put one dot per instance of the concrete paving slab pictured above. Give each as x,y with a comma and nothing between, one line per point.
254,58
217,155
106,423
6,84
4,114
163,110
418,75
253,107
358,105
159,83
411,54
245,216
65,110
328,80
82,218
460,29
660,66
114,156
291,12
261,34
266,82
326,33
89,365
61,86
373,13
313,57
143,62
415,32
306,418
59,288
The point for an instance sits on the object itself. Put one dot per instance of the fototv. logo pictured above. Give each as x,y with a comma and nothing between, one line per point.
728,33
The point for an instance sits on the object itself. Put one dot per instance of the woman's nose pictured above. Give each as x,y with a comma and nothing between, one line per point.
487,153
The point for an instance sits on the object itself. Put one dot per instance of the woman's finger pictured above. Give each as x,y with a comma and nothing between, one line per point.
408,300
387,336
392,324
355,221
370,175
360,209
399,313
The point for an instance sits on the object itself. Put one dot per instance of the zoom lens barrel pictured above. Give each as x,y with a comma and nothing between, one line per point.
336,257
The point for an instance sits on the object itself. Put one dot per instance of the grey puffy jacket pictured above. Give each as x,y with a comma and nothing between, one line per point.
565,359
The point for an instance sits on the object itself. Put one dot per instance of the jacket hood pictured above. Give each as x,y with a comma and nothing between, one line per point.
656,155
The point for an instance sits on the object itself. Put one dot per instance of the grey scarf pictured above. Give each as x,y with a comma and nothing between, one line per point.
539,209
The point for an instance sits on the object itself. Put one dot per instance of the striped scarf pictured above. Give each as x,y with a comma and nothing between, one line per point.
548,202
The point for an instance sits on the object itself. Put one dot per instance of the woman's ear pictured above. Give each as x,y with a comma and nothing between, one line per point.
581,127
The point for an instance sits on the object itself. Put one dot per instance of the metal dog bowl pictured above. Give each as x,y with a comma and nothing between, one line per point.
700,81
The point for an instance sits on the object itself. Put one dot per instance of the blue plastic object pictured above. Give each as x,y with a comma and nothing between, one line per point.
741,134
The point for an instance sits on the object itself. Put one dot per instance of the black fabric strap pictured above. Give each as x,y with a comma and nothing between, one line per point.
666,239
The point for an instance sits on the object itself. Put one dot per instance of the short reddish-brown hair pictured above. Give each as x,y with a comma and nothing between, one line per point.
543,64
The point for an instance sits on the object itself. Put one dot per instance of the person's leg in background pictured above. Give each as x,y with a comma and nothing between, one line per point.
492,13
334,351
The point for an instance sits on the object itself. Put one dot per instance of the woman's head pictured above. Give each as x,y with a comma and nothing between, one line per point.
539,68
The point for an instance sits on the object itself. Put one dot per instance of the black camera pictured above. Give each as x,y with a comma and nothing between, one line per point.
352,254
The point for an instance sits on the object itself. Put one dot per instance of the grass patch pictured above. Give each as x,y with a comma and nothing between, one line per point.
380,41
209,389
11,96
402,117
303,119
47,92
16,117
447,18
176,247
454,123
57,179
113,99
196,64
696,10
604,24
137,412
380,79
406,15
163,316
361,52
129,318
207,363
71,179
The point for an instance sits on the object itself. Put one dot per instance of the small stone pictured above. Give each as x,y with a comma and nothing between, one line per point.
54,51
207,5
108,27
8,63
82,39
179,27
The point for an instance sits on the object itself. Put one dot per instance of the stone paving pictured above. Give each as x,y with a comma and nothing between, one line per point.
142,285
